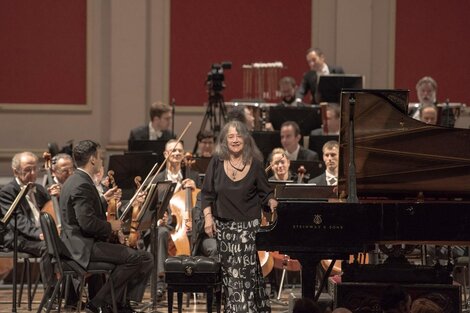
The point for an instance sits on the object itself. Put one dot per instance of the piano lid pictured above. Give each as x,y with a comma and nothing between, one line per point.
396,156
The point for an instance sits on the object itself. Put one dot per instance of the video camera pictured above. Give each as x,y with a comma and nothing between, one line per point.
215,77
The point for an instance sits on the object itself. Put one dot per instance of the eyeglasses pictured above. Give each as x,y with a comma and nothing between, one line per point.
65,170
28,170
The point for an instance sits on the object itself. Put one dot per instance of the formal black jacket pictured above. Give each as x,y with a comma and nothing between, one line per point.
25,219
319,180
310,80
307,155
142,133
84,216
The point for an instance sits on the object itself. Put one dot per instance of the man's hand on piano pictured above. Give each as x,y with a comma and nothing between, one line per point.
272,204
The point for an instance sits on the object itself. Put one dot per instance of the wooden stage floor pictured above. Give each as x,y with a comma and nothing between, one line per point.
196,307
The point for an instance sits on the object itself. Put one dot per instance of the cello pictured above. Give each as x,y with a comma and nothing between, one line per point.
51,206
181,205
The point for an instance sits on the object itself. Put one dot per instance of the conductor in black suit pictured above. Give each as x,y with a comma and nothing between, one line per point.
159,127
85,232
317,62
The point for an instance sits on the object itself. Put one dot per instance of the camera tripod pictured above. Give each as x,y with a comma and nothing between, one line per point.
216,114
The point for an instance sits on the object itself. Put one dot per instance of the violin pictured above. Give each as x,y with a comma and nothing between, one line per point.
112,203
134,235
181,205
51,206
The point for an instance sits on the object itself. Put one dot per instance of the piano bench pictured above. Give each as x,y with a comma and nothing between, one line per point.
193,274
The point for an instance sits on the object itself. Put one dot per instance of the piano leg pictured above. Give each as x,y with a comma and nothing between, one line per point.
309,269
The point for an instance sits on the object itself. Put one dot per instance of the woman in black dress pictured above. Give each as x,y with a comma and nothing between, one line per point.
235,190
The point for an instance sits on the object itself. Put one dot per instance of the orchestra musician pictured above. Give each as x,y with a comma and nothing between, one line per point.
290,138
205,144
243,114
332,121
317,63
287,87
62,167
331,158
280,165
428,114
30,237
426,90
234,191
159,126
85,233
174,152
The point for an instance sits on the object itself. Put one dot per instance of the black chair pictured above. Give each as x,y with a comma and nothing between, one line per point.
26,271
68,268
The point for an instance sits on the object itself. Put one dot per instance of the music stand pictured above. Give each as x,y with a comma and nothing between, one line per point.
4,221
129,165
267,141
201,164
308,117
153,210
330,86
315,143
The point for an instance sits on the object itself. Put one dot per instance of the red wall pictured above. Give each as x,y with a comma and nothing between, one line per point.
243,31
433,39
43,51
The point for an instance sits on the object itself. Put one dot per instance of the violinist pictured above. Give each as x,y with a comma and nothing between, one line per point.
331,158
280,165
85,231
174,152
30,236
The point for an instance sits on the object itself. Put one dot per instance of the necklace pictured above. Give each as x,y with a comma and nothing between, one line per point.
236,169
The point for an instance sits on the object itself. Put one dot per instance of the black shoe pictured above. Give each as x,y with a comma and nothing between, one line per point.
54,306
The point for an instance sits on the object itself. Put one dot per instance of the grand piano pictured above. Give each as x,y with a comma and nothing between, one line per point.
400,181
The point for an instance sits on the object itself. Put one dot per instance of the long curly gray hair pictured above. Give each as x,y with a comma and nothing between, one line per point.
250,150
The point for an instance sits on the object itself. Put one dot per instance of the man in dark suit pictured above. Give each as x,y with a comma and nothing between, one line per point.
159,126
30,236
174,152
317,62
290,137
331,159
85,233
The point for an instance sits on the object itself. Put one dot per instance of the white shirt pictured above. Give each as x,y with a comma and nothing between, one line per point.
175,178
324,70
293,156
153,133
331,180
31,198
